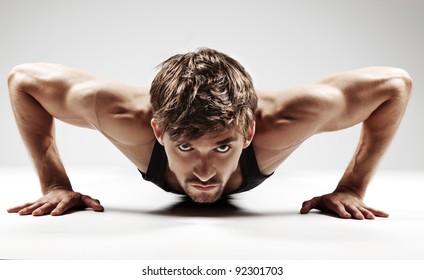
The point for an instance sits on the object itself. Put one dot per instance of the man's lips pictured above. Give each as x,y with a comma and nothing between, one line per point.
203,188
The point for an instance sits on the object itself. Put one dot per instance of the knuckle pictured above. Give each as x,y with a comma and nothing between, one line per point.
75,197
333,203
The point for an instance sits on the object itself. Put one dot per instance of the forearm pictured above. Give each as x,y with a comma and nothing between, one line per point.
50,169
36,127
378,131
364,163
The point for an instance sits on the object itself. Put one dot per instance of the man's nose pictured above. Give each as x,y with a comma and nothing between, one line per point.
204,170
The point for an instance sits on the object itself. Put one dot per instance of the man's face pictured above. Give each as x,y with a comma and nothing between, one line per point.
204,166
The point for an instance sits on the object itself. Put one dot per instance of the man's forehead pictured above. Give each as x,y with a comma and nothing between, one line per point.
227,136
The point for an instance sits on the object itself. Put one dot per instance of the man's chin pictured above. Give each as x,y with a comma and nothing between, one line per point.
205,197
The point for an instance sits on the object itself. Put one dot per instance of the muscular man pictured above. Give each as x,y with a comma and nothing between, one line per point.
202,130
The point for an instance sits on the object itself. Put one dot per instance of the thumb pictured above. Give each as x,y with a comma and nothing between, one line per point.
308,205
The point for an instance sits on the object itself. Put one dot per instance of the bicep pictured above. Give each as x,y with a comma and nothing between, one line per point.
65,93
358,93
118,111
287,118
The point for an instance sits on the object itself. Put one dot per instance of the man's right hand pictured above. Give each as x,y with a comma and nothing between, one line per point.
57,202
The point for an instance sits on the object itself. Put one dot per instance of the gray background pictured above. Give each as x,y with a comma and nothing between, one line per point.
281,43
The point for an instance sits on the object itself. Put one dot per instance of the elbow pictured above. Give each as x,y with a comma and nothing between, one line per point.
19,77
400,83
405,80
408,82
13,74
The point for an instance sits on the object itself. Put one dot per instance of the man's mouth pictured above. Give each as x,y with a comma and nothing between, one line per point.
204,188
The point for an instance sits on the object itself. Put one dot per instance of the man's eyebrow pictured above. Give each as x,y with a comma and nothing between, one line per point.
227,140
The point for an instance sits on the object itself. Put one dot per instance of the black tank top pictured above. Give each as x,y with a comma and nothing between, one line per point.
251,174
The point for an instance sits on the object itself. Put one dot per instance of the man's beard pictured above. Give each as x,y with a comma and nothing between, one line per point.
206,197
209,196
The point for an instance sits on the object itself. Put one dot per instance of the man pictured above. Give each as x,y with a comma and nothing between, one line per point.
202,130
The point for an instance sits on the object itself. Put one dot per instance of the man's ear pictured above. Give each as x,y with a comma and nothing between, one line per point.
156,130
250,134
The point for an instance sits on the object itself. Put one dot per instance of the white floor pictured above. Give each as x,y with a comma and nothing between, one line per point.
143,222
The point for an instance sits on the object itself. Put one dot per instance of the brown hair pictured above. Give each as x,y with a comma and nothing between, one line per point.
201,92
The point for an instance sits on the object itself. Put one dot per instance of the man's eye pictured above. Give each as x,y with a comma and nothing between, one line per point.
184,147
223,149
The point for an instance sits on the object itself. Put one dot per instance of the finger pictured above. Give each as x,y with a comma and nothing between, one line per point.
355,212
29,209
43,209
367,213
92,203
61,207
340,210
16,209
378,213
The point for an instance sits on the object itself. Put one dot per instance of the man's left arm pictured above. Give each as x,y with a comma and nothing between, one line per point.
377,97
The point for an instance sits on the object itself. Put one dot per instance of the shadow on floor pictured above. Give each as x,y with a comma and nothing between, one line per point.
185,207
188,208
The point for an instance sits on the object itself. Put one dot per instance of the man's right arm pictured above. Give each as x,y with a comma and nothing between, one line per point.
39,93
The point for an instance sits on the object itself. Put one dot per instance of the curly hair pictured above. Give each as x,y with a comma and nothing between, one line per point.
202,92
